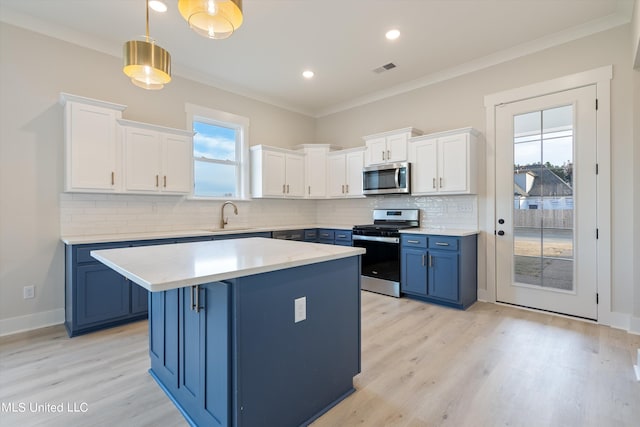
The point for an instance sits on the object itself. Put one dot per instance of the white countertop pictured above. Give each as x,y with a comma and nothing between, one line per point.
123,237
164,267
458,232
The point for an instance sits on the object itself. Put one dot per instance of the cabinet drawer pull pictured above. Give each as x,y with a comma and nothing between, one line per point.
442,244
413,241
324,234
341,236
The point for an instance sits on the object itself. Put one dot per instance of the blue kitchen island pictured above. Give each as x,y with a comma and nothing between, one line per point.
249,332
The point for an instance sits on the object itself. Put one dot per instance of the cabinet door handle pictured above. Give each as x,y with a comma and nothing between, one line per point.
309,190
113,178
388,154
413,241
423,256
165,181
383,156
342,188
157,180
283,188
440,182
287,188
434,182
347,187
430,261
442,244
195,298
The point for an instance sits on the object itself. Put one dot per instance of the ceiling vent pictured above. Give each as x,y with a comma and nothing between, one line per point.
385,67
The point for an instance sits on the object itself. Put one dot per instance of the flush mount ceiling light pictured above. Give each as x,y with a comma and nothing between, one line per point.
147,64
392,34
308,74
158,6
215,19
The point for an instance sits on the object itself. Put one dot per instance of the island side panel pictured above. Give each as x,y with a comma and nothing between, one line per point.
289,372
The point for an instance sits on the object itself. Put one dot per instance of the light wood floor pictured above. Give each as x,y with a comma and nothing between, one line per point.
422,365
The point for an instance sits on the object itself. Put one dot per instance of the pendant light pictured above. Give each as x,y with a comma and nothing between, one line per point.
147,64
215,19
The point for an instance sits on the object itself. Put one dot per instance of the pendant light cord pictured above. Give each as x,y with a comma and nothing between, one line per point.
147,33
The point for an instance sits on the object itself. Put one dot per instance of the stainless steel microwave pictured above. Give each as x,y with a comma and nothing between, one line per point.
391,178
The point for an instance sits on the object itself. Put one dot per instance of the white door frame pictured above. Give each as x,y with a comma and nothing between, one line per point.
601,77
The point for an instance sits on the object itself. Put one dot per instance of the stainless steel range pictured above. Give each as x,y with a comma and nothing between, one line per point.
381,263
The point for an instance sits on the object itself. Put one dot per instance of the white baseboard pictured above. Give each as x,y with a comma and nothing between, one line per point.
29,322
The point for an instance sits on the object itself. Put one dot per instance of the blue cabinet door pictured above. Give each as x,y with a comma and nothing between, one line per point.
203,385
139,299
443,275
413,274
101,295
163,337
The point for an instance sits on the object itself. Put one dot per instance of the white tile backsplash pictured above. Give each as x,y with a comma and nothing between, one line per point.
89,214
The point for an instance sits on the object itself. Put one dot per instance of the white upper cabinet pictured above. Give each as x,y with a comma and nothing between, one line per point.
388,147
276,172
156,159
344,173
315,169
444,163
92,146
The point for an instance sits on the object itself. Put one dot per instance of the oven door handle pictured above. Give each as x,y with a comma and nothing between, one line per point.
377,239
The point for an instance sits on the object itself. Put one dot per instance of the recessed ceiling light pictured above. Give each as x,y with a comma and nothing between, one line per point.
307,74
157,5
392,34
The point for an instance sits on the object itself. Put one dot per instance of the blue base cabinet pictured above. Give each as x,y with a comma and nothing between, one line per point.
231,353
439,269
96,297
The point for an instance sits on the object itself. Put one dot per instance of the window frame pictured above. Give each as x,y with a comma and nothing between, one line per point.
240,124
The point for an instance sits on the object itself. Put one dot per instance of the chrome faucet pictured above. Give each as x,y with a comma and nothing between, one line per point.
224,221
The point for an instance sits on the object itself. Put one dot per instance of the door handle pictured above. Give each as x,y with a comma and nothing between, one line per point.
500,233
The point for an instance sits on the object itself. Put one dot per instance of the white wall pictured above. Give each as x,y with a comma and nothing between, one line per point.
33,71
459,102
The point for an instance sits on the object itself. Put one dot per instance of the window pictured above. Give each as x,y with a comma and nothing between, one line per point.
220,153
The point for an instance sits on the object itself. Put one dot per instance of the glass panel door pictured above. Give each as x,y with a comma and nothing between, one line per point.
546,246
543,197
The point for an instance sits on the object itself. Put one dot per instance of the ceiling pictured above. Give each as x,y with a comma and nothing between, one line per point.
342,41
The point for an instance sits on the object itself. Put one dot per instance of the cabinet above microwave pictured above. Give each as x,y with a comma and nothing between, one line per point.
388,147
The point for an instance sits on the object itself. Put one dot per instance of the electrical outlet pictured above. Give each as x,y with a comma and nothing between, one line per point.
299,309
28,292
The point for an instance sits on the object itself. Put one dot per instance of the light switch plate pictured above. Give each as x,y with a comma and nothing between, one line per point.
299,309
